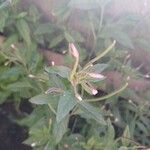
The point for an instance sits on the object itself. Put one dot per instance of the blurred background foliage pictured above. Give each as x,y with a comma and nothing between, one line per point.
34,33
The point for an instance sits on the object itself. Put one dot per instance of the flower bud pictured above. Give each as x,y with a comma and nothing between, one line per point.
73,50
94,91
96,75
78,97
31,76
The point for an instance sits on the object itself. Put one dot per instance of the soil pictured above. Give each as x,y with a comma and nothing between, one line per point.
12,134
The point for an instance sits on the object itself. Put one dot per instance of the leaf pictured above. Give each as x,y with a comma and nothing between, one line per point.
2,58
100,55
123,39
56,40
65,105
69,38
4,95
44,99
34,13
57,82
49,146
123,148
111,131
126,136
10,73
62,71
142,127
60,129
77,36
44,29
24,30
93,112
113,31
39,133
21,15
10,40
17,86
3,17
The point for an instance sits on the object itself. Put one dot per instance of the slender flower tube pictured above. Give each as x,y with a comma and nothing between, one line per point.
96,75
89,88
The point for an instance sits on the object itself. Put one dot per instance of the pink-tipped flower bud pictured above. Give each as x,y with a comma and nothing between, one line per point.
78,97
94,91
73,50
31,76
13,46
96,75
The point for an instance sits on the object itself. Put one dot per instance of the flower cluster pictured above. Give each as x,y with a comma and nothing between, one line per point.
83,76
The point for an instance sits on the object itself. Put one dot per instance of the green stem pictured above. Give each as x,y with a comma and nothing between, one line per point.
99,56
52,109
74,69
107,96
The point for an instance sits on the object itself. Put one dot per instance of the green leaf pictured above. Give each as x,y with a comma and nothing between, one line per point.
56,40
44,29
10,40
69,38
17,86
4,95
3,17
123,148
113,31
39,133
34,13
57,81
126,136
66,103
100,55
2,58
44,99
60,129
123,39
49,146
74,36
21,15
60,70
24,30
142,127
10,73
111,131
93,112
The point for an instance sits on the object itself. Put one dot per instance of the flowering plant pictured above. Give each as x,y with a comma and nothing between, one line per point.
66,97
84,75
